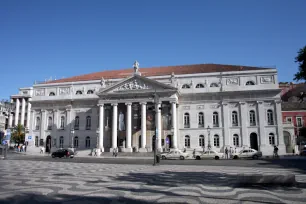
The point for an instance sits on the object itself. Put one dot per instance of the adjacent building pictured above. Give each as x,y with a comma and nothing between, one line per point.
203,106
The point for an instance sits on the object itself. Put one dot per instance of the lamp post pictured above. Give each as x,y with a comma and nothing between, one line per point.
72,132
156,101
209,145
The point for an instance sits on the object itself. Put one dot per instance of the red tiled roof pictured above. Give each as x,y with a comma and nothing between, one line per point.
158,71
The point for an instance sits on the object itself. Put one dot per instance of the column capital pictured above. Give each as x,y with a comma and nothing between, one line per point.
114,104
55,110
143,103
128,104
224,103
259,102
173,102
242,102
101,104
277,101
29,99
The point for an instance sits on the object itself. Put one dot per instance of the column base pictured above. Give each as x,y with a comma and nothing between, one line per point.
129,149
112,149
100,151
142,150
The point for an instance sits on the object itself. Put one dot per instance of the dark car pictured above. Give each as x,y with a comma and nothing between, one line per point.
303,152
63,153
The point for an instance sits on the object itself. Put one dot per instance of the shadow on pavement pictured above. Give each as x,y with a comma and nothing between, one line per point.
31,198
299,163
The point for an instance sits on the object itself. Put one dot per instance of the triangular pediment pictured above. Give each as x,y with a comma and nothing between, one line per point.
138,84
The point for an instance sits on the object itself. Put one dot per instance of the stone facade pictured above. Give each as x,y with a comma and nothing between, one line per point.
234,109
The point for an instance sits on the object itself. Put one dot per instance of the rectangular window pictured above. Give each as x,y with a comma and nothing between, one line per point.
215,120
289,119
299,122
271,140
252,118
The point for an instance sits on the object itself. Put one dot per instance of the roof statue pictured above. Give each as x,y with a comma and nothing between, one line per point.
103,85
136,68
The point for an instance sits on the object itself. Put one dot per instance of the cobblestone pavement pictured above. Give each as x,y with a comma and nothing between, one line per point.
61,182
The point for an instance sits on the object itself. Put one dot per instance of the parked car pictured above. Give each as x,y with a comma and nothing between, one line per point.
209,154
63,153
248,153
175,154
303,152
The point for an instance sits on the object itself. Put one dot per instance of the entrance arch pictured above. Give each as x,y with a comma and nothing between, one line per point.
253,141
287,141
48,144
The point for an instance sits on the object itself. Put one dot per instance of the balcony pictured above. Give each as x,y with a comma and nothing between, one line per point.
288,125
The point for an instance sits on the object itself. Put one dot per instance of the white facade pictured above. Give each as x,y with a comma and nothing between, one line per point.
235,109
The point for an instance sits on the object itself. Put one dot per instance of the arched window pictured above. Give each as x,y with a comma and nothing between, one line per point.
236,140
186,86
271,139
78,92
90,92
36,141
252,118
201,119
201,141
216,141
50,123
234,118
37,125
214,85
61,141
200,86
215,119
76,122
249,83
88,123
187,141
51,94
76,142
62,122
186,120
87,142
270,117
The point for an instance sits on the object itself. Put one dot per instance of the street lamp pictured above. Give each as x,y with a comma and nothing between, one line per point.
72,132
209,145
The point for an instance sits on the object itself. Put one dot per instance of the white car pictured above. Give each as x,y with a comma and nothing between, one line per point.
209,154
248,153
174,154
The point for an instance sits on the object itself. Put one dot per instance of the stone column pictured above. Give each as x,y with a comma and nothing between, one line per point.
262,123
114,126
68,126
23,103
10,124
158,126
29,113
280,132
128,147
244,121
174,125
101,128
226,121
43,124
32,123
16,122
143,127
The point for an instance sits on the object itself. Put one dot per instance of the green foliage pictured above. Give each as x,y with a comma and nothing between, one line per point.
18,134
301,60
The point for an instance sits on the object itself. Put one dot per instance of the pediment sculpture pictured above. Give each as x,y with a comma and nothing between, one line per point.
133,85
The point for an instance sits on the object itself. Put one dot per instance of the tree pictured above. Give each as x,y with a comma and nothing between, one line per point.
301,59
18,134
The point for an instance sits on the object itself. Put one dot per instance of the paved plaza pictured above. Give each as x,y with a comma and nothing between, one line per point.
63,182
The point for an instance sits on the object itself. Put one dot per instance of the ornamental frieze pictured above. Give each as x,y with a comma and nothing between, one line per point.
133,85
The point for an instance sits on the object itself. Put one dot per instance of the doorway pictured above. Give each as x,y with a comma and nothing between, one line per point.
254,141
48,144
287,142
168,142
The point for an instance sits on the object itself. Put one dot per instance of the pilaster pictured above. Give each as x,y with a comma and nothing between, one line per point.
244,121
143,127
226,119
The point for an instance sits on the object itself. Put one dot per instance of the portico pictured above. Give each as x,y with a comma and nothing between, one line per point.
129,102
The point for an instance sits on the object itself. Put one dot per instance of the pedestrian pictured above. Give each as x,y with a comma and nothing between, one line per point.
94,151
25,147
275,151
184,149
230,152
226,153
116,152
193,153
41,150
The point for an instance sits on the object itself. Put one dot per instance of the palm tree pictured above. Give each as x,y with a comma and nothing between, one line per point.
18,134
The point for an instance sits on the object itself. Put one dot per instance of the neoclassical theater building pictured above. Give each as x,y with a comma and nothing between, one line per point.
198,107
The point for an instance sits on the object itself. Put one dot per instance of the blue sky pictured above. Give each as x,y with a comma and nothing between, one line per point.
40,39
